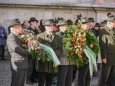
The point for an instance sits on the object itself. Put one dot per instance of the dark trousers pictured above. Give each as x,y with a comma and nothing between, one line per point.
65,74
31,72
2,48
45,78
84,76
74,71
107,75
18,77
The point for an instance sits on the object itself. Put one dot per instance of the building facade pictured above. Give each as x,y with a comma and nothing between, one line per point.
45,9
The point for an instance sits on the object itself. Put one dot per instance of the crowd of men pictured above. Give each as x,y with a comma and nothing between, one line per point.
51,32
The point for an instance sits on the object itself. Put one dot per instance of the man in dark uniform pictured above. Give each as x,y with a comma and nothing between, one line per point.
107,46
33,24
96,29
31,73
95,32
19,55
65,70
92,24
46,69
84,74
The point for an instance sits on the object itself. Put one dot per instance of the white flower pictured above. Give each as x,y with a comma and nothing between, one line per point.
27,35
79,46
32,47
22,36
84,34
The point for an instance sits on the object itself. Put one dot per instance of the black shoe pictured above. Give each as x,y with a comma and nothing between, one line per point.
29,82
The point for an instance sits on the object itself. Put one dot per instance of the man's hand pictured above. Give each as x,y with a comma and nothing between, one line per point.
104,61
91,45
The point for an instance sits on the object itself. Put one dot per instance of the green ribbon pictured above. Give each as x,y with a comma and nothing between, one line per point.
92,59
51,52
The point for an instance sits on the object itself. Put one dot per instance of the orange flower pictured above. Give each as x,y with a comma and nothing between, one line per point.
77,41
71,37
72,44
81,60
72,53
81,50
79,55
76,31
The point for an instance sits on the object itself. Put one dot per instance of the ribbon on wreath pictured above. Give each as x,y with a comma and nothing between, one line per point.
52,54
92,60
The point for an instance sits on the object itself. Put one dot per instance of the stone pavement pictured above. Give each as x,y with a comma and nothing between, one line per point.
5,76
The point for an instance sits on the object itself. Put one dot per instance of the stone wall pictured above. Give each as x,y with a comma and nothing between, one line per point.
88,3
22,13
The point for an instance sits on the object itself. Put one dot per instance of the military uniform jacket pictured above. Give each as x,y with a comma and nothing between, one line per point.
19,56
55,42
63,58
107,44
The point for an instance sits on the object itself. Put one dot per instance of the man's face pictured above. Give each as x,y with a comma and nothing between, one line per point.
34,23
86,26
92,24
97,28
63,28
18,29
49,28
112,24
26,23
55,28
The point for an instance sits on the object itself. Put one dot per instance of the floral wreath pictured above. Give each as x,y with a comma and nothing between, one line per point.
81,45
